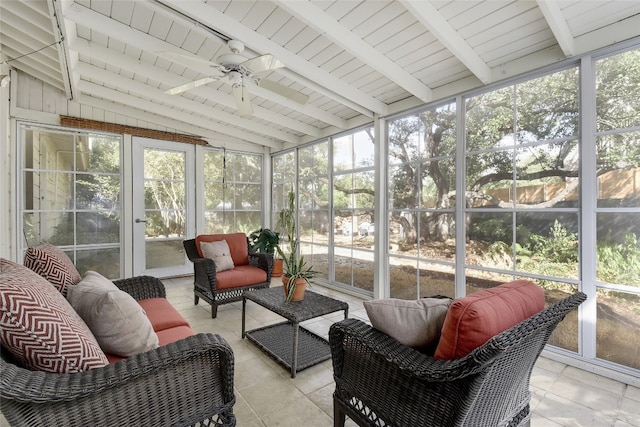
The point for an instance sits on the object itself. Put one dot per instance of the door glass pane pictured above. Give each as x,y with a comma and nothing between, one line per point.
165,208
162,254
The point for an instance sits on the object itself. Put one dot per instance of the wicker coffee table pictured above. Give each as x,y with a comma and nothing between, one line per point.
293,346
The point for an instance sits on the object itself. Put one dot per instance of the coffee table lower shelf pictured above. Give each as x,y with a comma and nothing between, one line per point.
277,341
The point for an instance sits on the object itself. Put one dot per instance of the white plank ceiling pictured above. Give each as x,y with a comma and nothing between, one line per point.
354,60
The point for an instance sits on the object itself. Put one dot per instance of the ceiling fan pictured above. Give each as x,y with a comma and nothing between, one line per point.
237,70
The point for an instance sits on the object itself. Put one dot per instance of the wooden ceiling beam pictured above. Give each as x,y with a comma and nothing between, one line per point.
559,27
433,20
331,28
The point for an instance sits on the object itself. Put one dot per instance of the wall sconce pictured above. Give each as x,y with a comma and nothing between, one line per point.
4,80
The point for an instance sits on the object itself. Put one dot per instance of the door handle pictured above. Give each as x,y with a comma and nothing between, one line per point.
138,220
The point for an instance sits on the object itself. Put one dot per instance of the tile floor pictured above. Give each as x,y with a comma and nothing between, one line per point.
562,395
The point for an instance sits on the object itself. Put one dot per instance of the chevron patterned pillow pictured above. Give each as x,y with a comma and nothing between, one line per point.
53,264
39,327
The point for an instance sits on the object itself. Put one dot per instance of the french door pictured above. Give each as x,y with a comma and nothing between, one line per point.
163,206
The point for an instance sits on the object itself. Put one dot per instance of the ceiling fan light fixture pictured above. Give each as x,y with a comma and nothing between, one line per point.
235,78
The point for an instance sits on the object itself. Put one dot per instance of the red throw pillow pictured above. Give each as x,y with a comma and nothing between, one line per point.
39,327
473,320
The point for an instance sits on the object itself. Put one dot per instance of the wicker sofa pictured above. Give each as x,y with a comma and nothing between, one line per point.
382,382
250,270
186,381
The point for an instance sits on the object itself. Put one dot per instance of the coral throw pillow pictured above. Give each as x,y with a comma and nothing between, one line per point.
39,327
53,264
115,318
473,320
414,323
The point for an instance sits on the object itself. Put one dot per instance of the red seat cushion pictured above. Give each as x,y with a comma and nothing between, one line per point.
473,320
174,334
162,314
237,245
164,337
241,275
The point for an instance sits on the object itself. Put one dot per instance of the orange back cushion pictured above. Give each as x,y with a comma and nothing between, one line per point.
473,320
237,245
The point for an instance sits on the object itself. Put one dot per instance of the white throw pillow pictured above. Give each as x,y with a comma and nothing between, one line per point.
116,319
220,254
414,323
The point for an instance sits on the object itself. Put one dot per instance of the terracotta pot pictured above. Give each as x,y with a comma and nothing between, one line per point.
277,268
298,293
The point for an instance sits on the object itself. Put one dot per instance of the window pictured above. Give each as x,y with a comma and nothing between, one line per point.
522,189
550,192
232,191
617,156
71,196
353,209
314,213
422,179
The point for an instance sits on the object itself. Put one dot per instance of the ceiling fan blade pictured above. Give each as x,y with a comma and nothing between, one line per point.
293,95
188,86
262,63
193,62
243,102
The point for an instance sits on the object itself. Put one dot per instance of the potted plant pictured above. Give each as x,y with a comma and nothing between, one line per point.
296,271
265,241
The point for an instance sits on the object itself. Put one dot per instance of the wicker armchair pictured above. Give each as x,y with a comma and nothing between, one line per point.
380,382
205,283
180,384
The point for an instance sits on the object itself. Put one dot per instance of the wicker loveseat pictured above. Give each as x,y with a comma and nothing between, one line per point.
250,270
181,383
83,350
380,382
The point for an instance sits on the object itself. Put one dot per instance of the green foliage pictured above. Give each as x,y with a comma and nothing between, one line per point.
619,263
491,230
98,228
560,246
618,88
264,241
500,255
553,255
294,265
